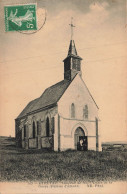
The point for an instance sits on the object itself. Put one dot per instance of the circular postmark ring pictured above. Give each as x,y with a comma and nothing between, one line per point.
40,26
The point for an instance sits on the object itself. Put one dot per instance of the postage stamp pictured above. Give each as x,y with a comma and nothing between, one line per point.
20,17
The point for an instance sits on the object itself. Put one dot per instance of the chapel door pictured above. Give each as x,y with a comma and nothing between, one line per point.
80,140
83,143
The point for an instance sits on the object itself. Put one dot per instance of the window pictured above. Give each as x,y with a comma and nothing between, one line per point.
38,130
72,110
78,66
33,129
85,112
52,124
24,131
47,127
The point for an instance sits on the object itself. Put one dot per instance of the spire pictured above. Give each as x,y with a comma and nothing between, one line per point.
72,63
72,49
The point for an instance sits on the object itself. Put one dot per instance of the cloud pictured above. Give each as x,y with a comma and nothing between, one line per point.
98,14
98,6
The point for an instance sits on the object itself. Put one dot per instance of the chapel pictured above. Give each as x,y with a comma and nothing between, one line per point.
64,117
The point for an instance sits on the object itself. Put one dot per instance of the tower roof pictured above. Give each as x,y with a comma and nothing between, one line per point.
72,52
72,49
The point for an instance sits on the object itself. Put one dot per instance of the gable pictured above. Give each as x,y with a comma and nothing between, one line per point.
77,93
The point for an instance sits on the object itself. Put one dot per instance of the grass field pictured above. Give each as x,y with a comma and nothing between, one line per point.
69,166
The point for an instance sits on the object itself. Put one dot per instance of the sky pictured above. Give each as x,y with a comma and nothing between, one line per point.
29,63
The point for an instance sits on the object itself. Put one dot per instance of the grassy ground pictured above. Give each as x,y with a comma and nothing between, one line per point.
70,166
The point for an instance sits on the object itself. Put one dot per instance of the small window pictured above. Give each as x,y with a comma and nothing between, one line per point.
47,127
78,66
33,129
24,131
85,112
72,110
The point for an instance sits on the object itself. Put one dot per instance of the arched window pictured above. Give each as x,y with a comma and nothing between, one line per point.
72,110
52,125
38,128
24,131
85,112
47,127
33,129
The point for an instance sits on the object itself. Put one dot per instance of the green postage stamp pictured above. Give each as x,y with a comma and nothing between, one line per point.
20,17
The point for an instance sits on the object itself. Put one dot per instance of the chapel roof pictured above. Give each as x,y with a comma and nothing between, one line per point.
49,97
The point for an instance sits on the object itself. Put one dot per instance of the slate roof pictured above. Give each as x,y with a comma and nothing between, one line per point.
49,97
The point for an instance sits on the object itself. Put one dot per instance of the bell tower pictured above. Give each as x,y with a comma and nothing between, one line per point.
72,63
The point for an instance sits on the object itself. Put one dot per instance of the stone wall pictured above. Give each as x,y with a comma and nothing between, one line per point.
40,140
18,134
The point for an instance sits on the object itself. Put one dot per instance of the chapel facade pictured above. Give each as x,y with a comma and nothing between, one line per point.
64,117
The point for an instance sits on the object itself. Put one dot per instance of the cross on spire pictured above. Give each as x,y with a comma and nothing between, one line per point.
72,26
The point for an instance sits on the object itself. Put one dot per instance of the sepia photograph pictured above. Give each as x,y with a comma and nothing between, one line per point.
63,96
